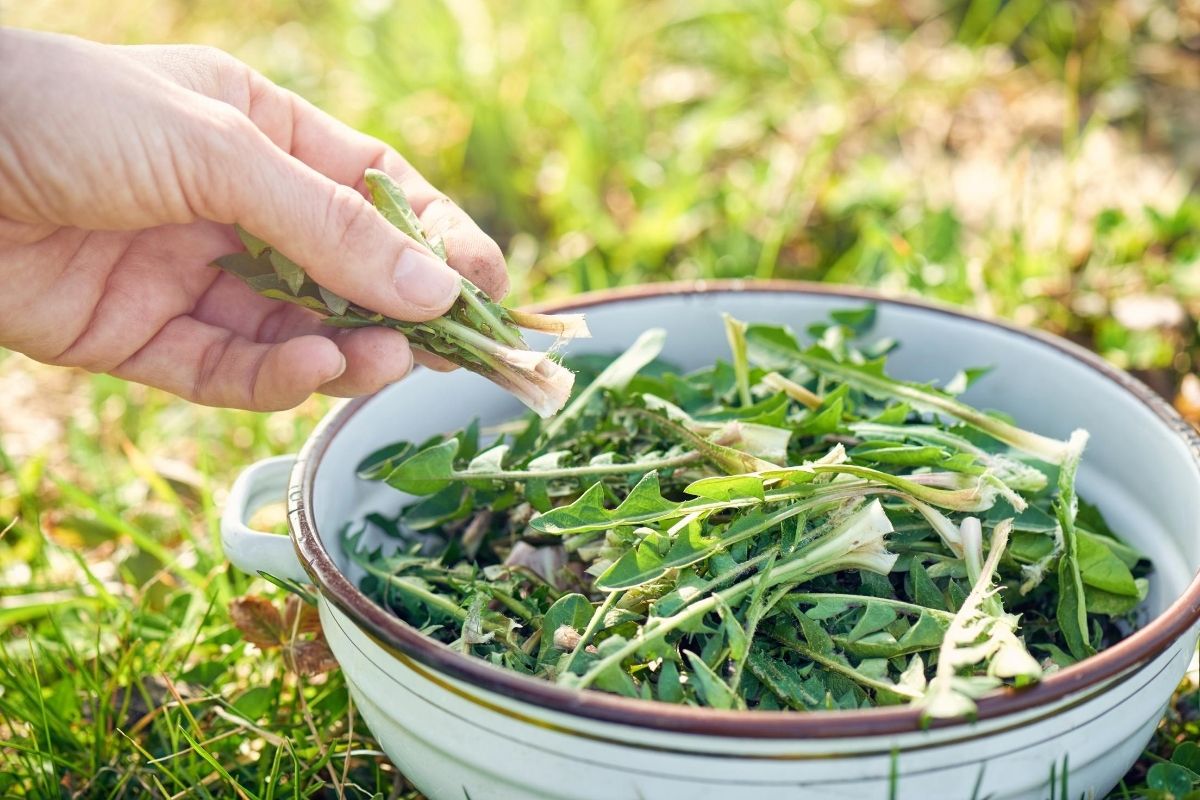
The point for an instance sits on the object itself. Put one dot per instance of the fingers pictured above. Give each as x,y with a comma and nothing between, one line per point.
329,147
326,227
332,149
294,357
375,357
344,154
473,253
216,367
469,250
433,362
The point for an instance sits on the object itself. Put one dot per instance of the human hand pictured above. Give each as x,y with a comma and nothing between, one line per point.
122,172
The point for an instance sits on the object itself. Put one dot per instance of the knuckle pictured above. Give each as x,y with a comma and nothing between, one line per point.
254,91
216,73
256,388
486,266
200,66
471,251
205,385
441,215
209,56
217,150
490,256
352,224
273,324
228,127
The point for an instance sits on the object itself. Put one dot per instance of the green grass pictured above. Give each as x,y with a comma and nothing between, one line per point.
1033,160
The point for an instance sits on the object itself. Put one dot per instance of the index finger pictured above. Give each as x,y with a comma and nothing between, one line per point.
332,148
324,143
344,154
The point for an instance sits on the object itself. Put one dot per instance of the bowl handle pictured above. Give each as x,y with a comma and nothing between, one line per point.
253,551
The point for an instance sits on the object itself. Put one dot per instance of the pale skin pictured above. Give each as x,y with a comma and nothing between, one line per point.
122,173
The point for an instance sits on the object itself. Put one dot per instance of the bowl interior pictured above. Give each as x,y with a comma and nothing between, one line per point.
1137,468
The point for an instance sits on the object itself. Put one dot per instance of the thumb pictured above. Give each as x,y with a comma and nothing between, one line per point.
327,228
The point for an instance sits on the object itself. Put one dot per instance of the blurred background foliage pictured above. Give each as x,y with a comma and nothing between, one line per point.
1027,159
1035,160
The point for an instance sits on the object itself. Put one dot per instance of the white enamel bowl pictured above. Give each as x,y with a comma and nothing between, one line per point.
460,728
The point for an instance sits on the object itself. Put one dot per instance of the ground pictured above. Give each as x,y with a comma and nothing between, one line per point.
1025,159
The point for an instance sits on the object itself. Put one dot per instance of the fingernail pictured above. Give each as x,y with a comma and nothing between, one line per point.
341,369
425,281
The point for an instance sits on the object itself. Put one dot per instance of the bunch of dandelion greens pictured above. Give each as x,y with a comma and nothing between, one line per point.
476,333
788,529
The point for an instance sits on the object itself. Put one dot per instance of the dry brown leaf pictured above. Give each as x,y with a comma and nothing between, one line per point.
259,621
311,657
310,620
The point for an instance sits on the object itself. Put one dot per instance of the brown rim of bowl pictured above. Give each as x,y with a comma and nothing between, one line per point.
393,634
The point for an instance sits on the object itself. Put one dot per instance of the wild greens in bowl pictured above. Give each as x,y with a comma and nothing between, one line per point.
788,528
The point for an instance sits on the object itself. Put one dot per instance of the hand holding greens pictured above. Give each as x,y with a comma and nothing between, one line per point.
789,529
475,333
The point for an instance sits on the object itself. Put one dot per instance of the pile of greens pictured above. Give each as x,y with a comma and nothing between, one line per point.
789,529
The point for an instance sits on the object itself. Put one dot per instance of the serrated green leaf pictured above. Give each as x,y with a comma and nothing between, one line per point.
644,504
902,455
875,617
635,567
391,201
1099,567
254,245
668,687
427,471
735,633
925,634
825,420
828,607
443,507
712,689
378,464
727,487
244,266
288,271
925,591
858,320
572,610
816,636
1099,601
281,292
1072,606
336,303
785,682
438,246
